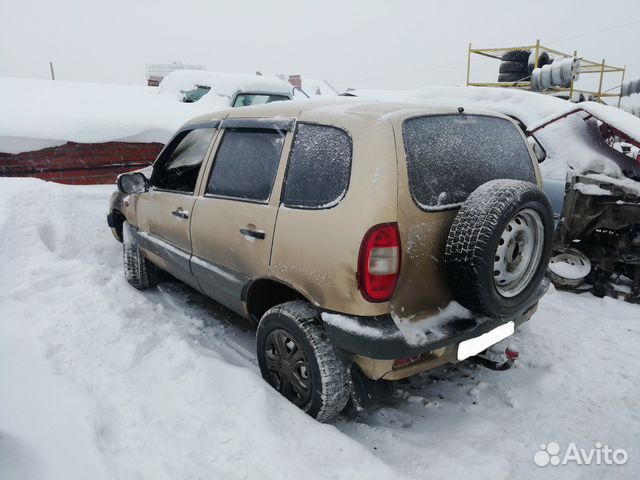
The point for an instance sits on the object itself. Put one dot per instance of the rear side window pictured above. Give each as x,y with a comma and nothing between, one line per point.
246,164
179,171
319,167
449,156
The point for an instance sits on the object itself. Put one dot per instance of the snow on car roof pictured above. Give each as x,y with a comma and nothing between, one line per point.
222,84
528,107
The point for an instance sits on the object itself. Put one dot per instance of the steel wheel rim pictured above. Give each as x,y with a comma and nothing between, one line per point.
518,254
288,367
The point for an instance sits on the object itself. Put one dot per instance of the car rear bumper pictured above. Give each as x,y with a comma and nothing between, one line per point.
380,338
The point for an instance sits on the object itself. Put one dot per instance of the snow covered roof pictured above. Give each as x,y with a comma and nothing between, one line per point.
222,84
528,107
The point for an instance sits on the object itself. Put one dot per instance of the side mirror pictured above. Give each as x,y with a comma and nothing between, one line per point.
539,152
133,183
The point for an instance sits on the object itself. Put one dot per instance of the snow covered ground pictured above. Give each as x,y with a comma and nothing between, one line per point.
100,381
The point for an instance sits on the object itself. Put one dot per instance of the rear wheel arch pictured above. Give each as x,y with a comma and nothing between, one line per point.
264,293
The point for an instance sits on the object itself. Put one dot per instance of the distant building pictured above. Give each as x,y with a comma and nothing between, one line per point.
155,72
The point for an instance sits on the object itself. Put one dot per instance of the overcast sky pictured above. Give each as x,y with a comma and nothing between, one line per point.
365,44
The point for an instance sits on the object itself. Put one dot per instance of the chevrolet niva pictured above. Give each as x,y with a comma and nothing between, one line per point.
369,241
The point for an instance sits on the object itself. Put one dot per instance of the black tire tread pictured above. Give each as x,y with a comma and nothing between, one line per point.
475,224
512,77
520,56
514,67
138,270
334,377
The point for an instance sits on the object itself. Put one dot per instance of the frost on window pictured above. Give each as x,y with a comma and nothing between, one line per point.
246,164
319,167
449,156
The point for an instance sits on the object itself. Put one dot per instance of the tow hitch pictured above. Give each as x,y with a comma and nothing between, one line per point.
511,354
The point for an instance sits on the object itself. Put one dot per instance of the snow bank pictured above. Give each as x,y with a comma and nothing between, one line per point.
109,382
39,113
101,381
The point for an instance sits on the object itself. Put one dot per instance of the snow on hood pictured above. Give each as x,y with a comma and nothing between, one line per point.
572,139
42,113
224,85
622,121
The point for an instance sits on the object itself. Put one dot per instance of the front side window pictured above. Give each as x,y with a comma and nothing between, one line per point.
246,164
178,170
319,167
248,99
449,156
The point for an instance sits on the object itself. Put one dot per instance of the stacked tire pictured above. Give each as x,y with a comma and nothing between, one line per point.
514,66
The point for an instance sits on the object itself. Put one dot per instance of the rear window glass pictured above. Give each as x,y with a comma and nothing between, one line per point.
246,164
319,167
449,156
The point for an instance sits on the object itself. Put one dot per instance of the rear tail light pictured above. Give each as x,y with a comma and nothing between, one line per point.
379,262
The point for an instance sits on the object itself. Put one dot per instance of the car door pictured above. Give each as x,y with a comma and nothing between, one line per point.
233,222
163,214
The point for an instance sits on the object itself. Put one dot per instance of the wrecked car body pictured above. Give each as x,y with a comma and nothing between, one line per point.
597,238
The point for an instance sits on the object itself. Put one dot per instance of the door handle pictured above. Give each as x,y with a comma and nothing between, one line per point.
180,213
252,233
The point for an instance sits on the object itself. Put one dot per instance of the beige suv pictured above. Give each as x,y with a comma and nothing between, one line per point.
369,241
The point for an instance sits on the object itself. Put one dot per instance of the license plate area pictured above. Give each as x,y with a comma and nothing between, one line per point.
473,346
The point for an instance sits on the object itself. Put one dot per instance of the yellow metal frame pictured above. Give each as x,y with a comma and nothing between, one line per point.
586,67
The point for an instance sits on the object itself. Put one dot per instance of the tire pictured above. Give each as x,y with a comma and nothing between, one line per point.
499,247
519,56
293,330
512,77
543,59
514,67
138,270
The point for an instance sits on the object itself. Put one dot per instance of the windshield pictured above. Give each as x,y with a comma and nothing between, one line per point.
247,99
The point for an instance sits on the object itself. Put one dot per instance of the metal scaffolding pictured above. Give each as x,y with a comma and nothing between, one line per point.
586,67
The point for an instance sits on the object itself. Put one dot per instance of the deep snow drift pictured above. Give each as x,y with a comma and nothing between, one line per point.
60,111
100,381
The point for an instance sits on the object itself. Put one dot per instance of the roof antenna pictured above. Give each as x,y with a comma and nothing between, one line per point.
460,110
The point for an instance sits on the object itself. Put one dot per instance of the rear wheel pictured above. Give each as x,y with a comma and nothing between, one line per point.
297,359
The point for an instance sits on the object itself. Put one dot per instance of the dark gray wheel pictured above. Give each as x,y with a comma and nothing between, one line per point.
499,246
138,271
297,359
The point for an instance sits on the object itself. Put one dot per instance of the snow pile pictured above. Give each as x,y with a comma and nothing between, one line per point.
101,381
39,113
